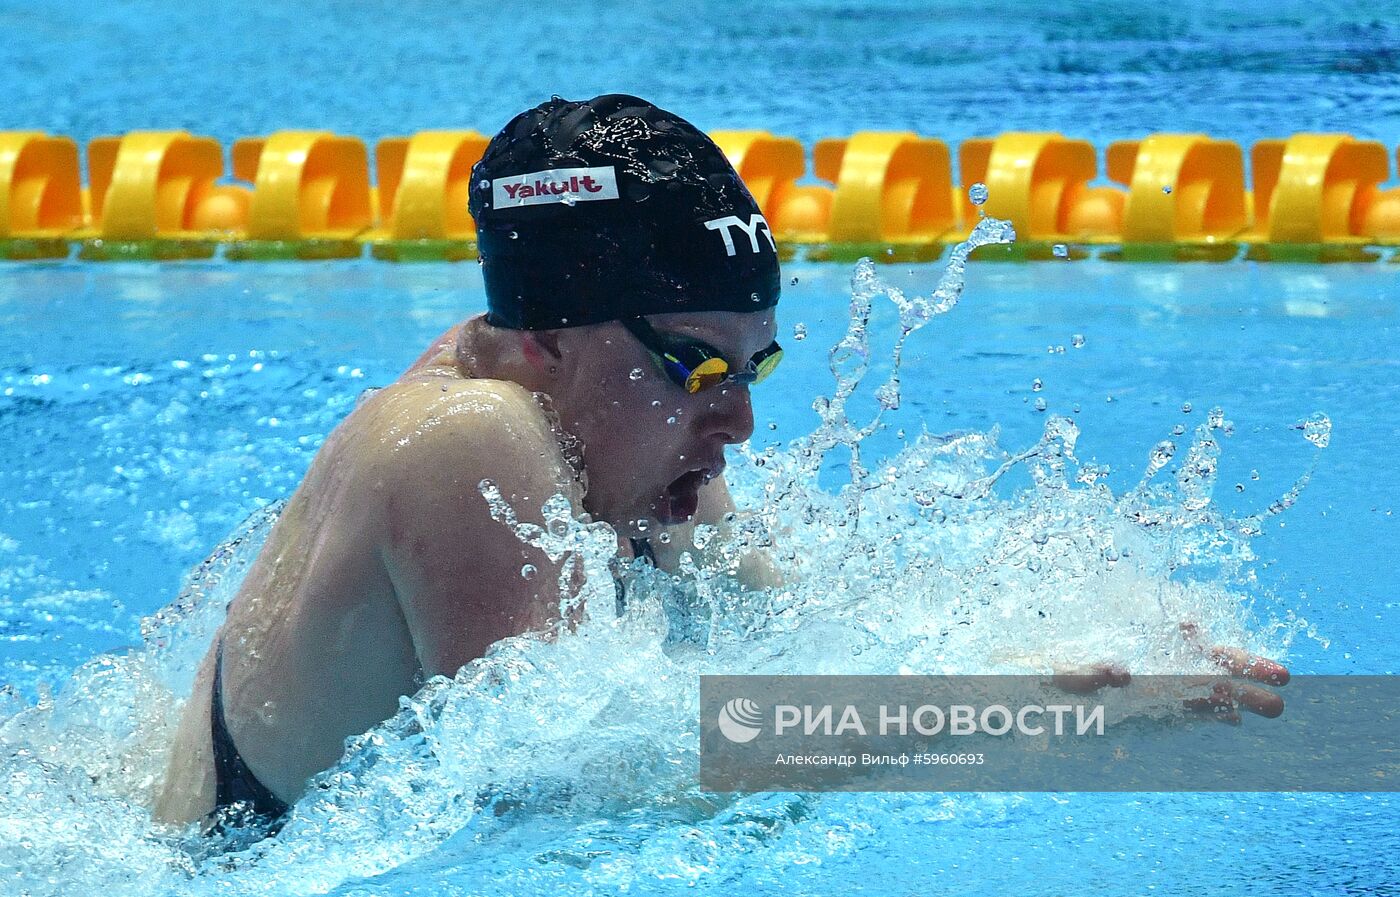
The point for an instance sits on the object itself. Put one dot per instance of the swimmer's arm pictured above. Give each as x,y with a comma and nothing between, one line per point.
756,567
456,571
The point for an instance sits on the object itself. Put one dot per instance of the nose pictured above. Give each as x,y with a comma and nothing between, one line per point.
730,415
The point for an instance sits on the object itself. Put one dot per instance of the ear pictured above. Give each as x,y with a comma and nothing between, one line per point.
541,349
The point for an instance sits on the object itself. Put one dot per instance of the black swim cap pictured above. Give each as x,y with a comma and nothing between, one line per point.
613,208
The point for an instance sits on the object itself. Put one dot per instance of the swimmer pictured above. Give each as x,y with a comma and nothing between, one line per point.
631,282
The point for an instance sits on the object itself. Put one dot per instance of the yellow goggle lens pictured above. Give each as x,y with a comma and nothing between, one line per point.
709,373
767,366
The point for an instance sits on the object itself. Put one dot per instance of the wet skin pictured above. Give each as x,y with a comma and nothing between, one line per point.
386,568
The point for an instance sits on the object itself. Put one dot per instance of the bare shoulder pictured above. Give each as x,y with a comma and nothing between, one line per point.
424,451
461,418
426,446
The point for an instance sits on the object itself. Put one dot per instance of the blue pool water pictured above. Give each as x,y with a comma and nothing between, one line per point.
180,398
148,409
806,68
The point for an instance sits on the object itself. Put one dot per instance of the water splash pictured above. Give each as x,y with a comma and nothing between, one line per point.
570,761
849,358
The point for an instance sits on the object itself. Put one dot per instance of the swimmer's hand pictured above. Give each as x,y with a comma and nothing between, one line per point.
1226,695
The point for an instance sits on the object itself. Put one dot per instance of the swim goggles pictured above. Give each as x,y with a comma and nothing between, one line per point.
696,366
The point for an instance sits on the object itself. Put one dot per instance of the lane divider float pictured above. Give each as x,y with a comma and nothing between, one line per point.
888,194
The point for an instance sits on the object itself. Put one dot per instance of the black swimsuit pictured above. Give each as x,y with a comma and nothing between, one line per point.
234,782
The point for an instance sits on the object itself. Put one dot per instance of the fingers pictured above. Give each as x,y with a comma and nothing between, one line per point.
1250,666
1087,680
1259,700
1219,706
1239,662
1225,698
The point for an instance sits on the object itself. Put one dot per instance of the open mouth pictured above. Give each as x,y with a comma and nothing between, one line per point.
682,497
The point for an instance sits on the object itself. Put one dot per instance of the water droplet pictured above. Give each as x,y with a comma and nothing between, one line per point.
899,434
1076,408
1166,188
1254,474
1239,487
772,425
1178,429
642,525
484,184
1161,453
635,375
1039,404
1185,407
977,193
513,235
1036,385
664,538
656,403
671,420
889,250
569,199
1077,341
1090,474
1317,429
793,282
1060,250
753,297
799,331
528,571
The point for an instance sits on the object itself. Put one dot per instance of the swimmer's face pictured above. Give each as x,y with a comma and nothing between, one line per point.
648,444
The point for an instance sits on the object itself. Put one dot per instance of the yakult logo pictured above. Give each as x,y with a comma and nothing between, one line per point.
750,229
566,185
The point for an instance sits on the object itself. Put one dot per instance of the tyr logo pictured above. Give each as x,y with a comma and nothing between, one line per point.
749,227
